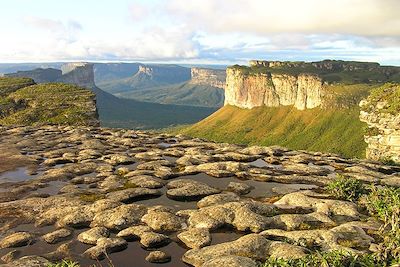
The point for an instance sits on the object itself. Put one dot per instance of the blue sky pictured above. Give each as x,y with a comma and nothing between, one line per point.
199,31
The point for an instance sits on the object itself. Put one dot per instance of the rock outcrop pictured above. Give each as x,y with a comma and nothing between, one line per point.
210,77
79,73
248,90
381,112
156,75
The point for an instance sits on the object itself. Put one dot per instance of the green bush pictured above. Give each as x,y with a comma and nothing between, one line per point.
64,263
326,259
346,188
384,204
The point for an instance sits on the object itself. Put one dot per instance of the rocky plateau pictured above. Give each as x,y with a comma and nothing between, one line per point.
144,198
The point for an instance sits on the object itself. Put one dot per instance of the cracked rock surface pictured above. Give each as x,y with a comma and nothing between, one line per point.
90,193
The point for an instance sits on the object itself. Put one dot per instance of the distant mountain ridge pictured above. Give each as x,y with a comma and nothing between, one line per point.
147,76
205,88
126,113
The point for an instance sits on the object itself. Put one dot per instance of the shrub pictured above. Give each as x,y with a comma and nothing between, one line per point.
384,204
346,188
64,263
326,259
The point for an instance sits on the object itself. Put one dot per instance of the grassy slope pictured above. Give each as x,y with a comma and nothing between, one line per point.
53,103
180,94
332,130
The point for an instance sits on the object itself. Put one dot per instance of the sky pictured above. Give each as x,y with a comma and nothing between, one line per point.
199,31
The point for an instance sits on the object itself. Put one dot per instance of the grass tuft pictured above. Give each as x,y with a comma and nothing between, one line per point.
346,188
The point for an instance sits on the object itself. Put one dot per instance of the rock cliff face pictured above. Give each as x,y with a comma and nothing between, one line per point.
245,90
79,73
210,77
159,75
381,112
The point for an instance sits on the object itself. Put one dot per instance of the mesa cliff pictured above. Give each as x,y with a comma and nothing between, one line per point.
244,90
304,85
78,73
210,77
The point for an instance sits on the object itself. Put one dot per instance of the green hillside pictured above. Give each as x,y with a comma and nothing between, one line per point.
22,103
332,130
180,94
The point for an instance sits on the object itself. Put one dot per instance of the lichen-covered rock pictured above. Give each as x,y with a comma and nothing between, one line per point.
158,257
92,235
120,217
305,199
186,189
146,181
105,245
217,199
344,237
195,237
11,256
239,188
56,236
130,194
147,237
17,239
31,261
243,216
252,246
161,221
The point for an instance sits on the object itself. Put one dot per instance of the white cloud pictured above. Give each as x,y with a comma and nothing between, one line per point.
359,17
213,30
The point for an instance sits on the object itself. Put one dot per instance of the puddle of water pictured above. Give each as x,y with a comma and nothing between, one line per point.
259,163
328,167
171,159
131,167
18,175
165,201
52,188
164,145
225,235
135,255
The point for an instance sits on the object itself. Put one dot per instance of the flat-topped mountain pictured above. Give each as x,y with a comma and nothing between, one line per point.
303,85
301,105
205,88
147,76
